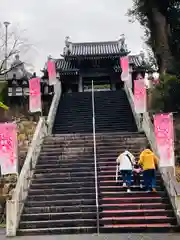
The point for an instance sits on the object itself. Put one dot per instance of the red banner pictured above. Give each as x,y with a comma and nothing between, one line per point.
34,95
8,148
164,132
124,62
140,96
51,72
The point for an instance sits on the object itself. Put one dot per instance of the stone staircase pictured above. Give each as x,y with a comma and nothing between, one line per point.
62,198
112,113
62,194
137,211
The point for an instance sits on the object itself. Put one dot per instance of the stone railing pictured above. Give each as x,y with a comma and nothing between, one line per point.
15,206
54,106
168,174
137,117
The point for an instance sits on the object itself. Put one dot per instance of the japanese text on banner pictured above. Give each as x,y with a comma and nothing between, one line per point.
140,96
164,132
35,95
8,148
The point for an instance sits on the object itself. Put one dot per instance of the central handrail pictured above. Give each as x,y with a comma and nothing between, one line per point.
95,158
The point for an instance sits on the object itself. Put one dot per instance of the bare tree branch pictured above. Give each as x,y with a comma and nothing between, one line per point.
16,44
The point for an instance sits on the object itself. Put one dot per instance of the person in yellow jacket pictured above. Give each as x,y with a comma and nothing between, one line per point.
148,160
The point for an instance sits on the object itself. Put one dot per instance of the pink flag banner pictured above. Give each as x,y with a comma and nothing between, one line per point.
8,148
140,96
164,132
35,95
51,72
124,62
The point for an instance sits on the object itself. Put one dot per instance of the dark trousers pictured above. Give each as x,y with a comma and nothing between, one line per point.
126,177
137,178
149,179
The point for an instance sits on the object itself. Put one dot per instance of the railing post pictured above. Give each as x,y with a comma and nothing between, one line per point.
95,158
54,106
11,218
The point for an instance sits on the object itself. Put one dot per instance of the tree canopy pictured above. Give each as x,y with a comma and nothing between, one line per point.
161,22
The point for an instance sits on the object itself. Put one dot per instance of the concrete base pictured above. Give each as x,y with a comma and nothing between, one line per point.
101,237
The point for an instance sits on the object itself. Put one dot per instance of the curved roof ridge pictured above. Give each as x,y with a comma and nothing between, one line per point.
94,43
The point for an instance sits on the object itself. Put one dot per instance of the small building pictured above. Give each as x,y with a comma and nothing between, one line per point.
18,79
81,63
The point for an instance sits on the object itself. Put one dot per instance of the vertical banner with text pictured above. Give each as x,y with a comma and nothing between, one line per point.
140,96
35,95
124,62
8,148
51,72
164,132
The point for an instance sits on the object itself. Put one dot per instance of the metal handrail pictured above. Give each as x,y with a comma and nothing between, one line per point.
95,158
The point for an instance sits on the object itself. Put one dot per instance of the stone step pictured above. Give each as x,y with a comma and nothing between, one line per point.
140,228
135,206
76,160
62,203
104,182
85,154
117,200
120,182
57,215
60,185
53,200
58,223
55,231
59,163
121,188
138,194
61,191
89,165
68,170
83,129
138,220
121,136
59,173
137,212
88,147
49,180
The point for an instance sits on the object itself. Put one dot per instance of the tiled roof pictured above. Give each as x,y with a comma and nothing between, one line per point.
135,60
66,66
95,48
63,65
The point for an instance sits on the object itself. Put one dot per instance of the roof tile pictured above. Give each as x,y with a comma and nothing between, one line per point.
63,65
95,48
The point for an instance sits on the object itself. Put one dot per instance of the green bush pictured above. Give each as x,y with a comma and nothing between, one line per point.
166,95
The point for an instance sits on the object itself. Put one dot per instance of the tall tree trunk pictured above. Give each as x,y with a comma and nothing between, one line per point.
161,38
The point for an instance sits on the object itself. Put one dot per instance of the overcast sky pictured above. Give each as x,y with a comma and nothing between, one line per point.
49,22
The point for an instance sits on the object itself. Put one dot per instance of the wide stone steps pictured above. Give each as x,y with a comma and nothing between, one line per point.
112,111
62,195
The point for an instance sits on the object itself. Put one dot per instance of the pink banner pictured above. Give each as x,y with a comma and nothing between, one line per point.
140,96
164,132
124,62
51,72
34,95
8,148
